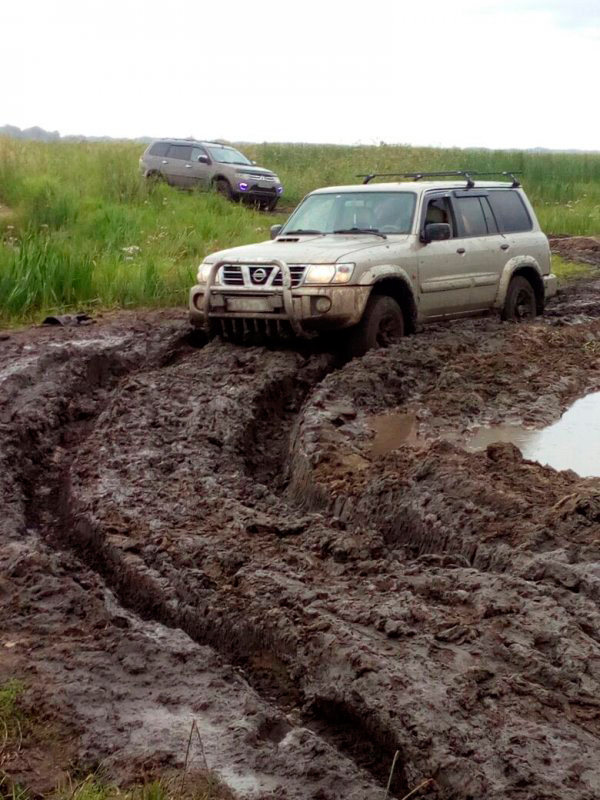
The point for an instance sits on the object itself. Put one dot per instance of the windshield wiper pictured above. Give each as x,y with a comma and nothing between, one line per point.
300,230
374,231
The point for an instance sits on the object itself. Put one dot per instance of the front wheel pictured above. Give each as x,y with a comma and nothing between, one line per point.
268,205
382,324
520,304
223,188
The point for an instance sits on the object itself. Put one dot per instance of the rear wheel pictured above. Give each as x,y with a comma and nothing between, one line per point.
520,304
382,324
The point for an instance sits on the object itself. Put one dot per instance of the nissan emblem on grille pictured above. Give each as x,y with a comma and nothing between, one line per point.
259,275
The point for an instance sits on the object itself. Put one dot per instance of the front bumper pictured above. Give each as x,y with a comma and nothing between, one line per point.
270,310
258,190
550,285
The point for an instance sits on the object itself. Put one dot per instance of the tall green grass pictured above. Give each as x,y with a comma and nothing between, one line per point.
84,231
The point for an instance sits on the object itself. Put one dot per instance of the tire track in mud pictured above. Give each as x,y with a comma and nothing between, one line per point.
264,654
138,588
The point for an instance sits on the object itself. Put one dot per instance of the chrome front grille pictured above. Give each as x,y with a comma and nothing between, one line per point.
297,273
232,275
259,275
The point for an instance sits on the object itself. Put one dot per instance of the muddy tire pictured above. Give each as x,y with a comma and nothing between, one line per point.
268,205
382,324
520,304
223,188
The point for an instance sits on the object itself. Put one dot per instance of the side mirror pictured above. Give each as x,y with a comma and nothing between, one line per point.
275,231
436,232
253,162
203,159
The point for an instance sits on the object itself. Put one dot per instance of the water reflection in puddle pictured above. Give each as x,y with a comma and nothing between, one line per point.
392,431
571,443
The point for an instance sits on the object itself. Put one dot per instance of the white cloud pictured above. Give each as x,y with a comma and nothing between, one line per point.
461,73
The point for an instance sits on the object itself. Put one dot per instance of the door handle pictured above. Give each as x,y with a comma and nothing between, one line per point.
188,166
504,246
165,161
461,250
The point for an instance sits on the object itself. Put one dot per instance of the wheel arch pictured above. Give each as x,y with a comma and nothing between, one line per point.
536,281
216,178
527,268
399,290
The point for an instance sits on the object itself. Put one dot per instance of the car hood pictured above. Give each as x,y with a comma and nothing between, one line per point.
252,170
308,249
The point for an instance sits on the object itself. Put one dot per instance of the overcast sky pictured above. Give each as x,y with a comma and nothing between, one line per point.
424,72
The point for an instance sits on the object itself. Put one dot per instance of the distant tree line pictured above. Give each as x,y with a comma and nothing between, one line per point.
40,135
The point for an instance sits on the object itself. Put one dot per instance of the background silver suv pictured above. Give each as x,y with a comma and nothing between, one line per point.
211,165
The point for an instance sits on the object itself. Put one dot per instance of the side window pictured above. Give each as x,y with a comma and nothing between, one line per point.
489,217
159,149
182,152
470,216
439,210
510,211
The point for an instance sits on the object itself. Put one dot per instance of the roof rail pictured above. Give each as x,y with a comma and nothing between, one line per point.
452,173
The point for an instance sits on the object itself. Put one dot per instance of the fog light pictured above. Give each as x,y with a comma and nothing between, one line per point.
243,187
280,190
323,304
199,301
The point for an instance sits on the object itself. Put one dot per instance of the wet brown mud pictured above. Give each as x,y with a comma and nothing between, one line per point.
211,533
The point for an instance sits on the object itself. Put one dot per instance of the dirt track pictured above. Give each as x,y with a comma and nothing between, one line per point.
204,533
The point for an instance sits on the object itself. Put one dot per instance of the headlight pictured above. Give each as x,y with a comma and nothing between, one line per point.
329,273
203,272
319,273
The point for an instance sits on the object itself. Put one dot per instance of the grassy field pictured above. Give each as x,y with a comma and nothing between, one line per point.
80,230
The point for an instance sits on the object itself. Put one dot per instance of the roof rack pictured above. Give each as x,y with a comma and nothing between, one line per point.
452,173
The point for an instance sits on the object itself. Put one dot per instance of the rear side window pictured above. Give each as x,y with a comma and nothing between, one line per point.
159,149
181,151
470,217
510,211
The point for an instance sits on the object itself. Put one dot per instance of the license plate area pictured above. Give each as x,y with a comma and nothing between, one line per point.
253,305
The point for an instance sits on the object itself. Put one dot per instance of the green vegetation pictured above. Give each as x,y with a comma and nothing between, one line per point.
11,716
568,271
13,726
84,232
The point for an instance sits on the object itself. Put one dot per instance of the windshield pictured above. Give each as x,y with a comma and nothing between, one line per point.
227,155
384,212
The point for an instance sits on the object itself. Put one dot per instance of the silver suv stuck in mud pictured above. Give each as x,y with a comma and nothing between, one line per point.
375,259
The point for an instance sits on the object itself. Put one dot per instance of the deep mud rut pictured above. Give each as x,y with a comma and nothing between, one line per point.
204,533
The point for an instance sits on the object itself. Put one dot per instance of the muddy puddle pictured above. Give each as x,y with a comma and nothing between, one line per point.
393,431
573,442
